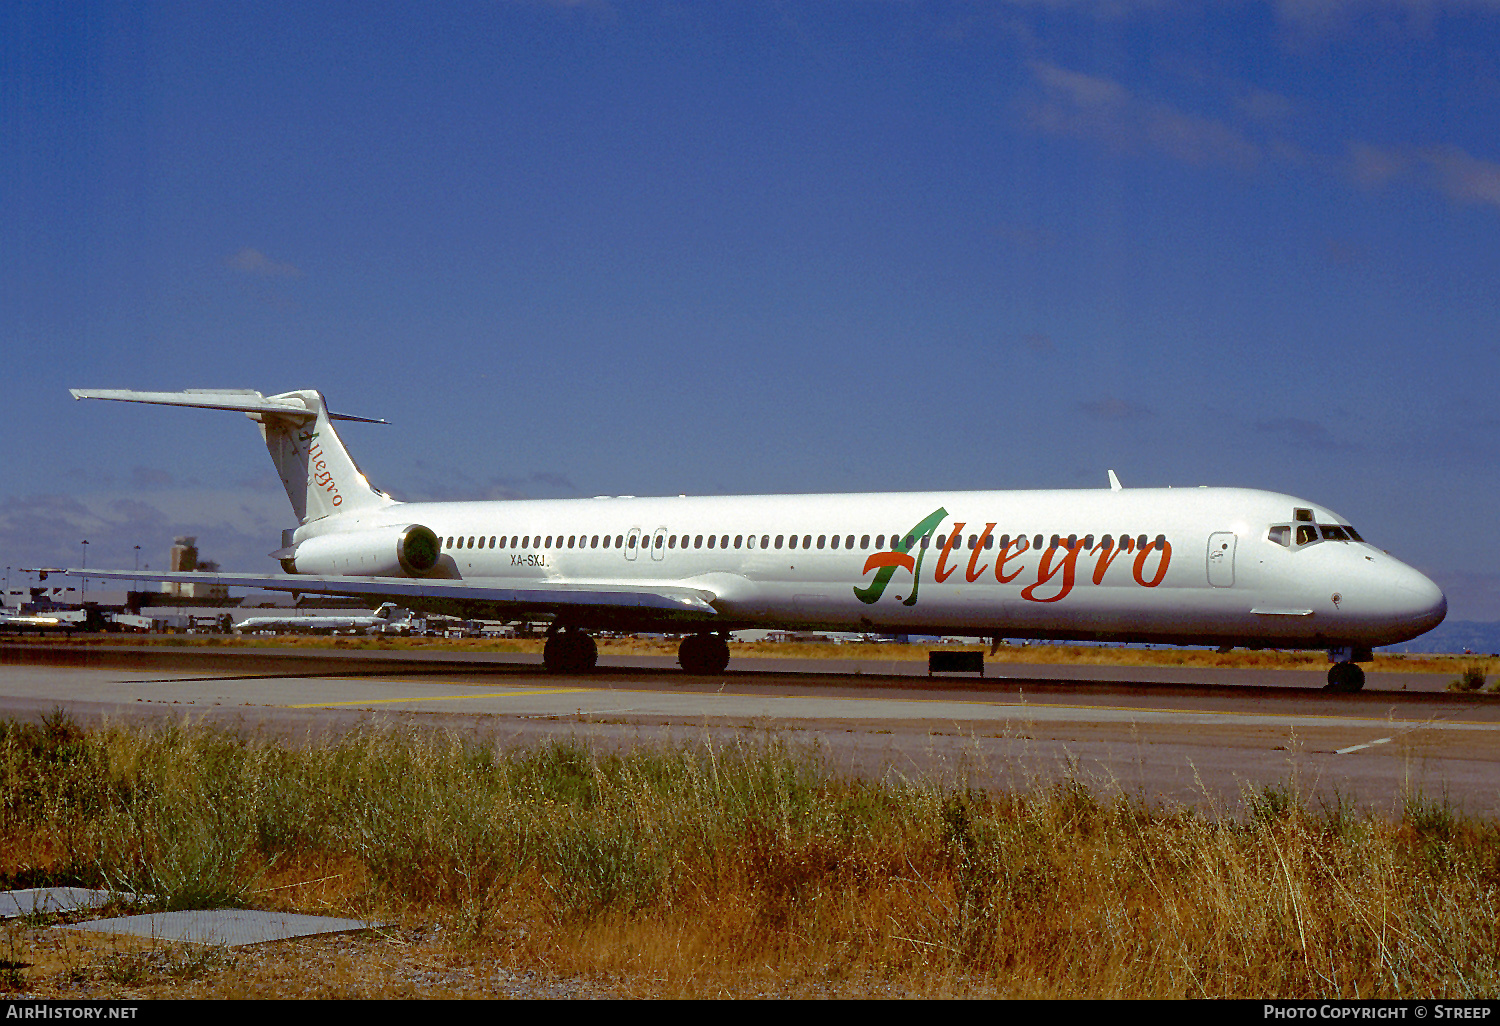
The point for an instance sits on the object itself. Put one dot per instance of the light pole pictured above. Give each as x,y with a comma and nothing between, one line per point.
137,582
83,584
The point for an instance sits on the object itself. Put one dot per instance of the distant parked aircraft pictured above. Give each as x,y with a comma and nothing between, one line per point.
386,619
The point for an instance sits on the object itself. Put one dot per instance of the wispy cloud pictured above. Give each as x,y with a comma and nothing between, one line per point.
235,527
1449,170
150,477
1100,109
253,261
1314,19
1307,434
1462,177
446,483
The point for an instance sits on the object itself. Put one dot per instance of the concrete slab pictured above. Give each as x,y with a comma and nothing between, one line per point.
230,927
49,899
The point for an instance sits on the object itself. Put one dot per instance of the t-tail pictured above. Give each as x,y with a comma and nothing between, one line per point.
319,475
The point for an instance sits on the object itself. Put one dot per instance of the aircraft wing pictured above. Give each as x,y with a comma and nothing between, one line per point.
531,596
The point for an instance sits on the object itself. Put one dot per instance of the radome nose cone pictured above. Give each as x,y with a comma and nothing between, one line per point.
1422,602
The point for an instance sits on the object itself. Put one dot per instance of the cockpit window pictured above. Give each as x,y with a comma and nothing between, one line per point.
1302,516
1307,534
1281,534
1332,532
1353,533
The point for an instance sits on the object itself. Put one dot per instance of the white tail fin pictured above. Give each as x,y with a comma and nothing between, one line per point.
317,471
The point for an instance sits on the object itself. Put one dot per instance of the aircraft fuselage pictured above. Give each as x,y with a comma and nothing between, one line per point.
1185,566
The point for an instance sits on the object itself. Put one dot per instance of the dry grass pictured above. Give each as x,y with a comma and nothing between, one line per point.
691,870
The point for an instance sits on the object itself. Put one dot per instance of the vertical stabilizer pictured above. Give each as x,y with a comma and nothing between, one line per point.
319,475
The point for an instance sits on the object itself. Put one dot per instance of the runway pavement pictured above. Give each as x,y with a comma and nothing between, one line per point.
1201,737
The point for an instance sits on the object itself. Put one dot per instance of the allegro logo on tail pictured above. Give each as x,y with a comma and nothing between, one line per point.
317,468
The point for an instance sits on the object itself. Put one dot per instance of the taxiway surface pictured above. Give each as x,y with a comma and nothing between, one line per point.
1204,737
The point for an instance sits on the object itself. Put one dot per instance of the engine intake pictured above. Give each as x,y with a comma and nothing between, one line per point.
409,551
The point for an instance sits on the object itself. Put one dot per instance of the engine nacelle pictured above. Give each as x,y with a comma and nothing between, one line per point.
409,551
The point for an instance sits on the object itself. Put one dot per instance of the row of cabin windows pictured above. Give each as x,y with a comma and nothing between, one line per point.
765,541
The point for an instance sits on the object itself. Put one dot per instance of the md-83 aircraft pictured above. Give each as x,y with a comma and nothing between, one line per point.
1195,566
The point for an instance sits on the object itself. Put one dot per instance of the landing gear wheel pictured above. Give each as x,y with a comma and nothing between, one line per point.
1345,677
703,653
570,651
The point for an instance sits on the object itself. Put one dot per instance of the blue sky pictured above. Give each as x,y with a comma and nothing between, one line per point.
650,248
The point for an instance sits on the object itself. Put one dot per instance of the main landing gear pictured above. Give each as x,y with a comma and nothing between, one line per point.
1345,677
573,651
570,651
703,653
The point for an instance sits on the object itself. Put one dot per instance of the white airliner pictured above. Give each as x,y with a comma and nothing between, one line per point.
386,619
1195,566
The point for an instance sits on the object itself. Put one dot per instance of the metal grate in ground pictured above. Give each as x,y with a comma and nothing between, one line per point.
49,899
229,927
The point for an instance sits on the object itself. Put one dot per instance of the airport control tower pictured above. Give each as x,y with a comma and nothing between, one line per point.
185,558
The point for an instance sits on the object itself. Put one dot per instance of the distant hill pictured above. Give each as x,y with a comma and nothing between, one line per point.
1455,636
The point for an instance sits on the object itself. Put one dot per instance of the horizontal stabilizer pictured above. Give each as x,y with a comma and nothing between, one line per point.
241,400
535,596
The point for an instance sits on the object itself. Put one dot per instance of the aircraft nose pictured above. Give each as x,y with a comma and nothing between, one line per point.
1417,602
